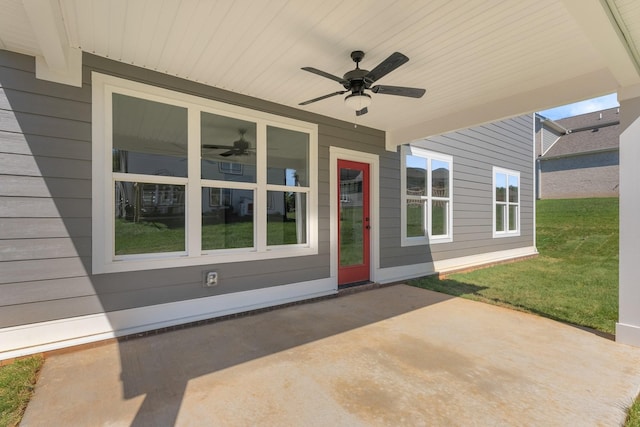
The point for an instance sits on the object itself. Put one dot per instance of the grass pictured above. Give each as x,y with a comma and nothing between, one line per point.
17,381
633,415
154,237
575,278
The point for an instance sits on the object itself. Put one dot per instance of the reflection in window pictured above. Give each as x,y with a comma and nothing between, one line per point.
287,157
286,218
149,137
182,184
228,148
149,218
227,218
506,202
426,196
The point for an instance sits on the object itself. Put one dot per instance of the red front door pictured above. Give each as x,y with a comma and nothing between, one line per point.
353,226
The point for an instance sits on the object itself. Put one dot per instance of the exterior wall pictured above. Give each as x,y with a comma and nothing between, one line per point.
45,202
586,175
507,144
46,224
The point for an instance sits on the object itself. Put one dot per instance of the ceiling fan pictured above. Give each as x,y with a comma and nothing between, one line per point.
239,148
358,80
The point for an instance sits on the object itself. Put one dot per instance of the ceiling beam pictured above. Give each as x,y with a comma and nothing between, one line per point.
579,88
58,61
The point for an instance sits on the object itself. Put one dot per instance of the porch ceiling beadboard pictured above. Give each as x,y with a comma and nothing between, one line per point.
468,54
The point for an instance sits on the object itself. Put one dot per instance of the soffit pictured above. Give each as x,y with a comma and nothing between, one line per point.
472,56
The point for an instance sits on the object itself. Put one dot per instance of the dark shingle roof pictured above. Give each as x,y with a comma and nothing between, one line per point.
595,131
590,119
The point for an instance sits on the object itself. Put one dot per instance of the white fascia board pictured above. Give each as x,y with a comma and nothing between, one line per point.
593,84
58,62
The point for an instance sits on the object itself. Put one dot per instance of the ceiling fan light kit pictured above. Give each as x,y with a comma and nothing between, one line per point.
358,80
357,101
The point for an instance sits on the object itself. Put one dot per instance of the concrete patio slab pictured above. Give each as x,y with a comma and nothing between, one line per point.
391,356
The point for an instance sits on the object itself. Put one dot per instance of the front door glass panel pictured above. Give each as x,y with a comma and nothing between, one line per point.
351,217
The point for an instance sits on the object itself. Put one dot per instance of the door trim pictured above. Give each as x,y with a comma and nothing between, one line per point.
372,160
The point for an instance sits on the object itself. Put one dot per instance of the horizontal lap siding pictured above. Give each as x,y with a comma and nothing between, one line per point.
507,144
45,194
45,201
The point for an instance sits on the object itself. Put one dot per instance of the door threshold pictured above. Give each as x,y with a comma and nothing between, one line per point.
354,284
352,288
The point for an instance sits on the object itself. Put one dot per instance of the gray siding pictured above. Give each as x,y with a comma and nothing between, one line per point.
45,201
585,175
507,144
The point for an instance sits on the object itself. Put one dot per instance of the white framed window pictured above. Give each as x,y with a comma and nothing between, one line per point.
506,202
426,202
180,180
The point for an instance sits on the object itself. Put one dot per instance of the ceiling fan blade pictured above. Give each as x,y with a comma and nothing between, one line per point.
218,147
411,92
385,67
326,75
320,98
362,112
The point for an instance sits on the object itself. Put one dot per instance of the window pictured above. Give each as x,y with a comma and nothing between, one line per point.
506,200
179,180
426,197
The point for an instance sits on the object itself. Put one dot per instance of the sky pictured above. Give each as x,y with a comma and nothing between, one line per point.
588,106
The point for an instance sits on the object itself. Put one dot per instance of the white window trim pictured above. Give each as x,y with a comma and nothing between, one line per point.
506,233
103,258
427,239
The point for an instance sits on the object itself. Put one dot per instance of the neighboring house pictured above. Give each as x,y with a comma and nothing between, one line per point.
121,196
578,156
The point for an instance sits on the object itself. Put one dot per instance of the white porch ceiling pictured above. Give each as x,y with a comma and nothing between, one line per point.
480,60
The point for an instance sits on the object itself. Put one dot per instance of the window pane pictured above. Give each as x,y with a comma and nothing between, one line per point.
149,137
228,148
513,189
513,218
416,175
227,218
286,218
439,217
501,187
287,157
149,218
439,178
415,218
500,217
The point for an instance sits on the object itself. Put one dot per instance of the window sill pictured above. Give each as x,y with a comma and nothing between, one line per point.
505,234
423,241
144,262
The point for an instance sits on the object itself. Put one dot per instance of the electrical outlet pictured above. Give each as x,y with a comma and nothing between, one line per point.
210,278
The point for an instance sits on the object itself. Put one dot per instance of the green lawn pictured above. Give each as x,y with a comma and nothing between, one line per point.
154,237
17,381
575,278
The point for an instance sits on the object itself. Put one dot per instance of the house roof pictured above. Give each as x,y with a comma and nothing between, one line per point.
589,132
479,60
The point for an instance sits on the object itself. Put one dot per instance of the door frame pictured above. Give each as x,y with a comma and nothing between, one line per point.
335,154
